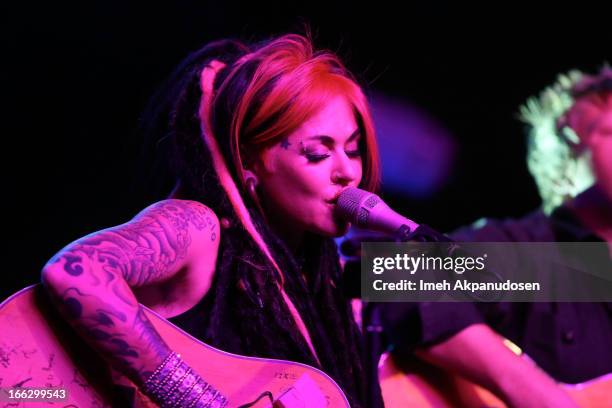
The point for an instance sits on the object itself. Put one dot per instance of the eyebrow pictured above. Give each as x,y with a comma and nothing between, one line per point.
329,139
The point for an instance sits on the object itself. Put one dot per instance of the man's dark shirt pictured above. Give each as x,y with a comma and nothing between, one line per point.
571,341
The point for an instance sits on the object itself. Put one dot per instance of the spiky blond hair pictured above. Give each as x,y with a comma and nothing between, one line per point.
560,168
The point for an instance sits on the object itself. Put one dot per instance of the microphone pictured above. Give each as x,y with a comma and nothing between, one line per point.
366,210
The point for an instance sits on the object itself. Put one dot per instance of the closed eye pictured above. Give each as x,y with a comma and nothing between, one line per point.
353,153
315,158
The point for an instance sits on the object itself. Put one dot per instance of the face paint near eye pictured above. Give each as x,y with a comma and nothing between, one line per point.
299,184
316,152
285,143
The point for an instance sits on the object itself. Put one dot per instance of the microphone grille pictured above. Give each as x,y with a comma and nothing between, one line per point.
362,217
348,201
351,202
372,201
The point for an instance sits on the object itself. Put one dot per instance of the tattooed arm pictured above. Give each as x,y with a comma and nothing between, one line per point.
91,280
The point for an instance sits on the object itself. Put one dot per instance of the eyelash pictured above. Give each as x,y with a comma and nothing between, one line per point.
315,158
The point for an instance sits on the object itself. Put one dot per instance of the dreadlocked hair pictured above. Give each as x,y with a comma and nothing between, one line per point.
265,91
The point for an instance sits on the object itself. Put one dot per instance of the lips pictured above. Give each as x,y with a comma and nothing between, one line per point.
335,197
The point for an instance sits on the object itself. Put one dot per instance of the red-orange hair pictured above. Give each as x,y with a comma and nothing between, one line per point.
270,92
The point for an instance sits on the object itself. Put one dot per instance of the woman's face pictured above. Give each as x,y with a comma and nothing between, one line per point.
301,176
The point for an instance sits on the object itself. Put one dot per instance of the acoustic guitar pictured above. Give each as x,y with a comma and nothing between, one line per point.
421,385
39,349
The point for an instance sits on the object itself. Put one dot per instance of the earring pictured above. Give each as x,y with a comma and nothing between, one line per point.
251,185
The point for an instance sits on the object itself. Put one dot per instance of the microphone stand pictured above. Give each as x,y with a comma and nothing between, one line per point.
371,315
373,330
373,349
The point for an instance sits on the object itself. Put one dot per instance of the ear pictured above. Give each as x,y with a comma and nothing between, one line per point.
248,174
253,164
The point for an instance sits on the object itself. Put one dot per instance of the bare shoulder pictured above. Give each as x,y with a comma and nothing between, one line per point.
180,244
182,215
178,233
167,238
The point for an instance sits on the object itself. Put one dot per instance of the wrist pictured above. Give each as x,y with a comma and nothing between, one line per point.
175,384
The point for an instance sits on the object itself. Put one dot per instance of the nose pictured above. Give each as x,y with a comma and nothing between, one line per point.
346,170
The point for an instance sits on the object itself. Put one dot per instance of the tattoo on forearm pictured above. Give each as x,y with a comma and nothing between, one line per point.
103,319
104,316
132,254
73,307
147,331
106,326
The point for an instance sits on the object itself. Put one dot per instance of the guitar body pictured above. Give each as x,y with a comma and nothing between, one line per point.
422,385
38,349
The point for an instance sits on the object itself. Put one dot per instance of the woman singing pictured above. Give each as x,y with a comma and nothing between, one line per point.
264,138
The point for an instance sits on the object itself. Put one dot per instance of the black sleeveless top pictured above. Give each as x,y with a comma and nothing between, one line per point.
227,319
194,320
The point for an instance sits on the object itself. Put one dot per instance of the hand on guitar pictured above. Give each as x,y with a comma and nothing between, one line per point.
479,354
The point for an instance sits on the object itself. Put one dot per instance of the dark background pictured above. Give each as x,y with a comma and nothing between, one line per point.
75,79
